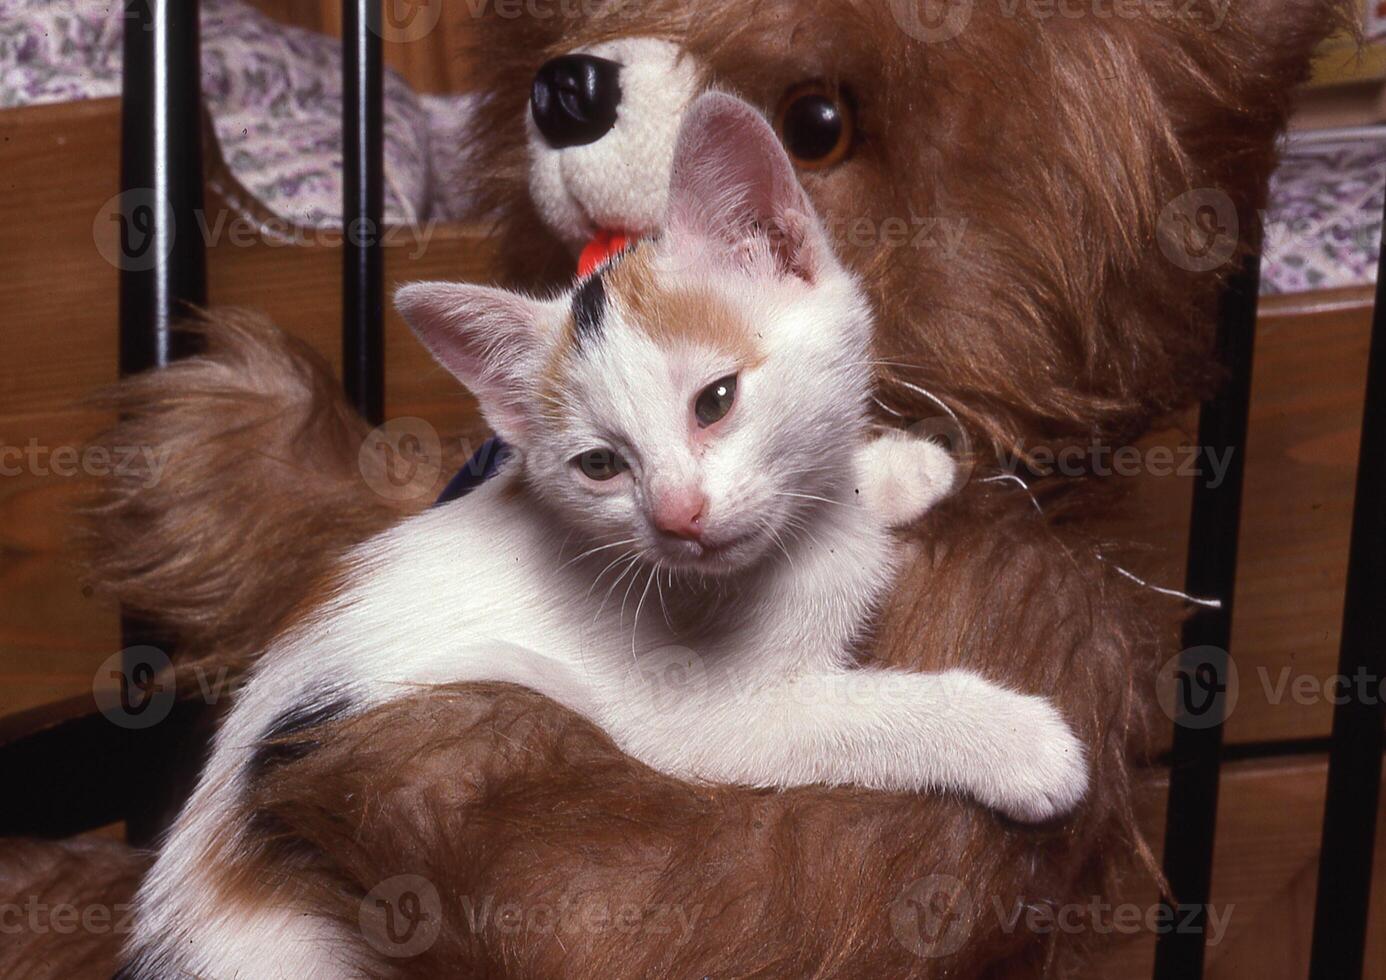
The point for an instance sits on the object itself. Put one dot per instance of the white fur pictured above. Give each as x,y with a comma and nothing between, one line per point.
621,181
729,660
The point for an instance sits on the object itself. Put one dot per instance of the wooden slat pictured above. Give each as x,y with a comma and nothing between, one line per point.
429,63
1263,877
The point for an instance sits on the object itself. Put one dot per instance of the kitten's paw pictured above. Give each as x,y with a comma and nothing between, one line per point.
904,476
1044,773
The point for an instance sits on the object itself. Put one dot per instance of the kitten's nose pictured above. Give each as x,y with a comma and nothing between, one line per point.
680,514
574,99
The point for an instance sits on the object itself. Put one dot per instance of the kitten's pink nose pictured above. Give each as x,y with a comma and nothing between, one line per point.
680,513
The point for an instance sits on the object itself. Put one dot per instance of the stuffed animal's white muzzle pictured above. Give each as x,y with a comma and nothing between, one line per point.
602,126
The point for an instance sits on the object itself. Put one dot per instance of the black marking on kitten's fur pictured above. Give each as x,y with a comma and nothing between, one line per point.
589,307
277,745
143,968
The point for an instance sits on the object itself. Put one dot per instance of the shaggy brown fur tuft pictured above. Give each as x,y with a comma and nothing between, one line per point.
264,485
67,906
1055,145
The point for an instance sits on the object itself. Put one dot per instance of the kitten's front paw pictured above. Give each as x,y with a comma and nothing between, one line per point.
1044,774
905,476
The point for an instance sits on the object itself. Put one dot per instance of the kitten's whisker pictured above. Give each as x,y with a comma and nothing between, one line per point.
779,541
799,529
593,551
810,496
878,362
635,626
633,563
886,408
626,598
598,577
659,591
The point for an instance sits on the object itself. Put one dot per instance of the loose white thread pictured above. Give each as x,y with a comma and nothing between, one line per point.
1172,593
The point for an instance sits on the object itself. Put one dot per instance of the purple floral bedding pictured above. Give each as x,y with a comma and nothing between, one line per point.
1323,221
274,94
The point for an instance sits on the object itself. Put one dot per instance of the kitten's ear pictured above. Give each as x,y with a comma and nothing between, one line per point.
491,340
732,182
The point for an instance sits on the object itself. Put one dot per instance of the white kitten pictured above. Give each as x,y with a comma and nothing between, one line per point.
685,545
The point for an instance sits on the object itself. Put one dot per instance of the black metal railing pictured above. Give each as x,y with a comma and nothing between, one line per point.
163,274
1214,530
363,182
1354,765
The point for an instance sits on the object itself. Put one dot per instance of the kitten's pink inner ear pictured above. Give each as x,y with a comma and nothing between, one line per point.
732,180
487,338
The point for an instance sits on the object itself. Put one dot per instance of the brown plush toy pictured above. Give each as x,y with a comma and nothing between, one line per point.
1014,180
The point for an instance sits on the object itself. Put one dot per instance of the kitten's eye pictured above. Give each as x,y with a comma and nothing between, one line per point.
600,464
817,125
715,401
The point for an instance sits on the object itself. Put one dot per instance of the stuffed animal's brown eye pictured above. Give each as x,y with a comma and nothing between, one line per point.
715,401
816,124
600,464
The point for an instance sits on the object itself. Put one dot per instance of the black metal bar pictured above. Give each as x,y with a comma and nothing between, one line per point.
1354,767
163,264
1190,822
162,258
363,145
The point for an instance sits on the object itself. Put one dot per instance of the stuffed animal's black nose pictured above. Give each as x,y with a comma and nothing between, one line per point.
574,99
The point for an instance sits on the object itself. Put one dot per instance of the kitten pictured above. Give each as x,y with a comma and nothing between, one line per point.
688,539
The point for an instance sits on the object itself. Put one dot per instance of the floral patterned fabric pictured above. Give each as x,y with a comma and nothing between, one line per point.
1323,226
274,93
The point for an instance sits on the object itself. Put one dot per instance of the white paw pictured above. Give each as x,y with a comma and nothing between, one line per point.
906,476
1044,774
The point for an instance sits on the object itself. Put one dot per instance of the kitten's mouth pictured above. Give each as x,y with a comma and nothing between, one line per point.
714,557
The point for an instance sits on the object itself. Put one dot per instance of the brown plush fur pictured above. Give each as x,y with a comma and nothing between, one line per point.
1059,142
264,486
72,902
